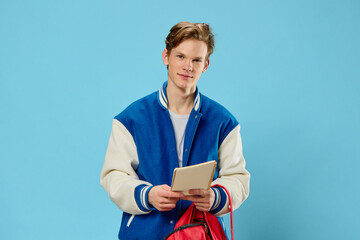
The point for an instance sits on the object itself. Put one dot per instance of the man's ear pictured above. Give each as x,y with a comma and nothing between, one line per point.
206,65
165,57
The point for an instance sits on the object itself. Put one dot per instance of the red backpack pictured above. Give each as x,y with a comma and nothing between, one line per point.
195,224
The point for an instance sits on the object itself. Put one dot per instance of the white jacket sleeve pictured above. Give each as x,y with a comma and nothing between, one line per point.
232,173
118,176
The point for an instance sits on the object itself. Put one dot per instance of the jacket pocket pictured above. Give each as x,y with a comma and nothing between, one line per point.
130,220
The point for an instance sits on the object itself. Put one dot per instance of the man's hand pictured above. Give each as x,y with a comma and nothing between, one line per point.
162,198
203,199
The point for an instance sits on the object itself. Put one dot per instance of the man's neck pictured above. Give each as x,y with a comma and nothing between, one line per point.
180,102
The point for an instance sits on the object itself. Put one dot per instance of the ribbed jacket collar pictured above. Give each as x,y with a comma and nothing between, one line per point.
163,101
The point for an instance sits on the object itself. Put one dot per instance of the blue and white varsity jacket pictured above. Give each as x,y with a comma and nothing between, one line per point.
142,153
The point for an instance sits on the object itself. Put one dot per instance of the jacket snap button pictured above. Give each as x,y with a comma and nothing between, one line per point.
195,116
171,221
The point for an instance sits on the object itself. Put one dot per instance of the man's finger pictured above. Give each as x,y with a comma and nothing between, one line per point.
170,194
196,192
196,199
166,206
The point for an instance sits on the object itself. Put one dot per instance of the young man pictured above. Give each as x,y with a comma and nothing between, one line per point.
175,126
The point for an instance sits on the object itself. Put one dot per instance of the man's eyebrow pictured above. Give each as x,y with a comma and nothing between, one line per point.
178,52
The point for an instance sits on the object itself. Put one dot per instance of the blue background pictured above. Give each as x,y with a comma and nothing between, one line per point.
288,70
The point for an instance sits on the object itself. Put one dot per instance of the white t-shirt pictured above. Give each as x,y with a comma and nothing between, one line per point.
179,123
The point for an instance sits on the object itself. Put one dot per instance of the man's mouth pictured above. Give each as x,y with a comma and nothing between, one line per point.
184,75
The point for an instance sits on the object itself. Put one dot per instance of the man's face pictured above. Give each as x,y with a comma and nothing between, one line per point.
186,63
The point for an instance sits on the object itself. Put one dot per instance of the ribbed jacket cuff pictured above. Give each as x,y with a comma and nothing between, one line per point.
141,197
220,200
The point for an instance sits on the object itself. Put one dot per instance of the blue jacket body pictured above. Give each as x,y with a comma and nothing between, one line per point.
148,126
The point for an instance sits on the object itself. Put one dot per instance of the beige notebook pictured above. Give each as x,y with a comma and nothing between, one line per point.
197,176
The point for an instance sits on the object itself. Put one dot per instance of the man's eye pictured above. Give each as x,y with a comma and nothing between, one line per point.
179,56
197,60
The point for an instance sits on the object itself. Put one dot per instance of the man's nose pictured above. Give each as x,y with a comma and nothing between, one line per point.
188,65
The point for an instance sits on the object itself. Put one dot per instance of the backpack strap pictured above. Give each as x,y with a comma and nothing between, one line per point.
230,208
